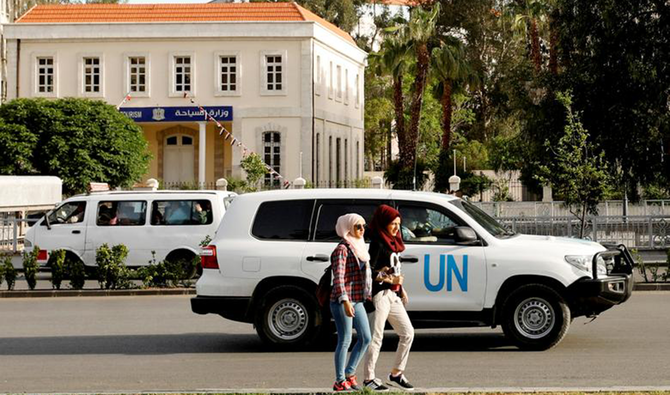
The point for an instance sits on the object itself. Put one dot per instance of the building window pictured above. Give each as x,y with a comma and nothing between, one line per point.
92,75
346,86
228,70
358,90
272,155
346,160
273,73
137,72
358,168
339,83
338,162
330,161
317,76
318,157
182,73
45,74
330,81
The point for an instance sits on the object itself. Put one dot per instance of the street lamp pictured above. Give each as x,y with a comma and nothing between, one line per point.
455,181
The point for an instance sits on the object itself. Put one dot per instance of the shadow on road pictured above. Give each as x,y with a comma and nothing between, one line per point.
194,343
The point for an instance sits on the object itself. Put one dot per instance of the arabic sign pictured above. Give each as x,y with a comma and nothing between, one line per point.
177,114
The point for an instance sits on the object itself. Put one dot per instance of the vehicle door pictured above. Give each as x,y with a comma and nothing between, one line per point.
316,256
120,222
67,228
440,274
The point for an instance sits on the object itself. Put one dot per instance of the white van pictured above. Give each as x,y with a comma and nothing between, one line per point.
462,270
170,223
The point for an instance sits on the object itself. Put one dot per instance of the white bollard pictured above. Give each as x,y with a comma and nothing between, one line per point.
221,184
152,183
299,183
377,182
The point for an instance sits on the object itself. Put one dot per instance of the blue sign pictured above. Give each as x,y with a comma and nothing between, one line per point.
177,114
452,271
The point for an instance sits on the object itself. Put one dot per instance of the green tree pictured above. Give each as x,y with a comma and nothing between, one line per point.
78,140
576,172
255,169
30,266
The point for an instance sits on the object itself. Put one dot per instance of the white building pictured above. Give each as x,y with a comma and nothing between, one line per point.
280,79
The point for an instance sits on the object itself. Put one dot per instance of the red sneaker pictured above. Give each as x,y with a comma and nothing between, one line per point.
341,386
353,383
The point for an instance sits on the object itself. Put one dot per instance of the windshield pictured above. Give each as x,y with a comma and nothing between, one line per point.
486,221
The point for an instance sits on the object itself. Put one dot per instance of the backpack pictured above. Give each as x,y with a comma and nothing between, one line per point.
325,287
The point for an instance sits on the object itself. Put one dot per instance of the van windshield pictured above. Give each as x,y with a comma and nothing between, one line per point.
486,221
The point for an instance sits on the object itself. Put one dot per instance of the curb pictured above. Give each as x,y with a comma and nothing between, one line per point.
95,292
52,293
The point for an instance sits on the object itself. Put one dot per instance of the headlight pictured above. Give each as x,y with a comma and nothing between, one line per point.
584,263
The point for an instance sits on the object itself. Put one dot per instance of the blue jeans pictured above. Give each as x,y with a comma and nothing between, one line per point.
344,325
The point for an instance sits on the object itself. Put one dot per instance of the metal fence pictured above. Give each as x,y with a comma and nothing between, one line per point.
641,232
12,232
556,208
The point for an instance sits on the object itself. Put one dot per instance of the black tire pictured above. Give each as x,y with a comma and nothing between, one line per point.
288,317
535,317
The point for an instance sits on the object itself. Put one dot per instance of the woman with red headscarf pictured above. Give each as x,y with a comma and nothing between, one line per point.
388,296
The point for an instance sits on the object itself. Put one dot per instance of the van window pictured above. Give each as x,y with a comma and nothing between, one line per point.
284,220
425,224
330,210
68,213
181,212
121,213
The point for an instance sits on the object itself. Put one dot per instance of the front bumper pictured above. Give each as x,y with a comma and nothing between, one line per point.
597,294
232,308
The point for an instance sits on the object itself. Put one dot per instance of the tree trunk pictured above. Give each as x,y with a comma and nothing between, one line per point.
446,115
399,106
535,46
423,60
553,44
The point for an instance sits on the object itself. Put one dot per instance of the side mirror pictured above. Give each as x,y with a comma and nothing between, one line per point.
465,235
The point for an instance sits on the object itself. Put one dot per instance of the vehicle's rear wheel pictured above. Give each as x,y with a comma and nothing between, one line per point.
535,317
288,316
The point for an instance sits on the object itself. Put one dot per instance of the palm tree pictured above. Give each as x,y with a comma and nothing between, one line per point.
392,60
530,16
451,67
419,31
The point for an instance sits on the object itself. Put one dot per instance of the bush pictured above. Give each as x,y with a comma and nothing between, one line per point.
404,178
57,264
3,259
9,272
166,274
112,270
75,271
30,266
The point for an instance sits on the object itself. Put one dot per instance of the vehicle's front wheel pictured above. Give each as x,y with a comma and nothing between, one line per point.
288,316
535,317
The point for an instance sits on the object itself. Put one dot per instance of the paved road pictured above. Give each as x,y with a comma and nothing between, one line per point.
155,343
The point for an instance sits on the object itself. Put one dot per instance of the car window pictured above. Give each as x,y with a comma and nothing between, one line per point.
283,220
425,224
68,213
181,212
486,221
121,213
330,210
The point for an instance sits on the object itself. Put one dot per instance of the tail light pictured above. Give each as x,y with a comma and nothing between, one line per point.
208,258
43,255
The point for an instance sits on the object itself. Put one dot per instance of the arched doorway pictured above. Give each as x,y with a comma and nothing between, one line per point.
178,158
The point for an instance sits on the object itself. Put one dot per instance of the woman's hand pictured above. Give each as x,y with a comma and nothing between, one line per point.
349,309
397,280
404,297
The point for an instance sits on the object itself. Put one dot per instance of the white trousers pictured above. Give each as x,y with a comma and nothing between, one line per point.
388,306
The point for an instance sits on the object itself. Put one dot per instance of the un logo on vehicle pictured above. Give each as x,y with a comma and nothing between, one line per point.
452,271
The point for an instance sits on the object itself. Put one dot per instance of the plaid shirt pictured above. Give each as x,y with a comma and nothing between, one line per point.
348,278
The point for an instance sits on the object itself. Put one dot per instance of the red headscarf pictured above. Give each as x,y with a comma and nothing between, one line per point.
382,217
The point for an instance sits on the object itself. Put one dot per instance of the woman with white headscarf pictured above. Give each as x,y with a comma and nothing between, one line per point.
352,286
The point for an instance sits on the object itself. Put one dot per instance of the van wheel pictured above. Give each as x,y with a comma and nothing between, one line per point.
535,317
288,316
184,258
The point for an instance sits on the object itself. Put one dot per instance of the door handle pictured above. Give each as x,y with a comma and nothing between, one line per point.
318,257
76,232
409,259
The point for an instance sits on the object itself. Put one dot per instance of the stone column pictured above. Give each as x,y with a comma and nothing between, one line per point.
202,150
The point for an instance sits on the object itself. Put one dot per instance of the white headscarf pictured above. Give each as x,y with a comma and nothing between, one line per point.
345,229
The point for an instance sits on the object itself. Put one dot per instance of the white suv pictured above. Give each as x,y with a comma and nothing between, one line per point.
461,267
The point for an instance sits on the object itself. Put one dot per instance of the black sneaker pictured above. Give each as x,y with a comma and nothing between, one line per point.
375,385
401,381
